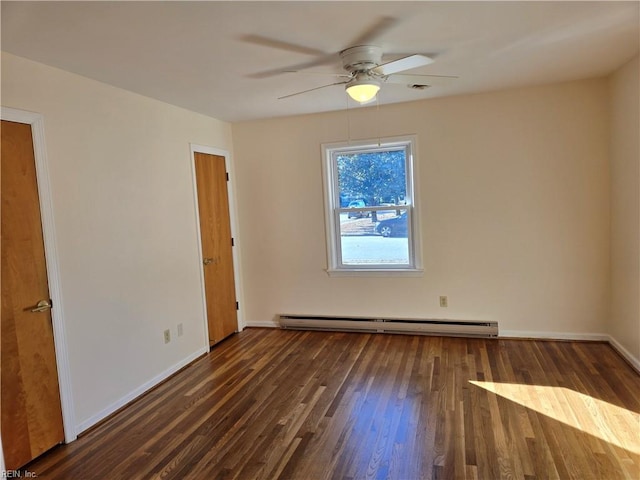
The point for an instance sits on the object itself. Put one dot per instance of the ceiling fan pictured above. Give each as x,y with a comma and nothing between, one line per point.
365,72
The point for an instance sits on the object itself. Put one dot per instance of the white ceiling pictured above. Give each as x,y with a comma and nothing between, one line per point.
213,57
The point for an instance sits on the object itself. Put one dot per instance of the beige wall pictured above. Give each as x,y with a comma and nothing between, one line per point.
126,227
514,190
625,208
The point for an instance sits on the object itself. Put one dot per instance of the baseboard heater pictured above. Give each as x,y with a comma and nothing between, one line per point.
449,328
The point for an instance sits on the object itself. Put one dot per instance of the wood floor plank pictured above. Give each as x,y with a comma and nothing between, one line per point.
273,404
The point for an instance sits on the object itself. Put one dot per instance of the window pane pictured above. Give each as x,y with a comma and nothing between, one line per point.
372,178
371,205
378,239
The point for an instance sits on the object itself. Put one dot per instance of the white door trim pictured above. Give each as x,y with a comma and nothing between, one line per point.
234,231
36,121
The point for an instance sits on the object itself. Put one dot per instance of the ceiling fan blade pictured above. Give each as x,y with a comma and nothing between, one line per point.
375,31
431,80
402,64
326,74
323,60
311,90
274,43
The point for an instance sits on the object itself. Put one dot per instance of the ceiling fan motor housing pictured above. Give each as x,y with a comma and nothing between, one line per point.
361,58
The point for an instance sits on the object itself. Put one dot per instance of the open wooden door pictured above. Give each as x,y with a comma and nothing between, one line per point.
217,246
31,414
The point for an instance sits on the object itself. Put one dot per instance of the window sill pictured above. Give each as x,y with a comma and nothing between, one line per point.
369,272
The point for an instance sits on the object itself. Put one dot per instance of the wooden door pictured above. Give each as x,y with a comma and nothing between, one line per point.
217,246
31,414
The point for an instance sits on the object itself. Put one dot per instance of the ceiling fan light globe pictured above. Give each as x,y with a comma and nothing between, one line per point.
363,92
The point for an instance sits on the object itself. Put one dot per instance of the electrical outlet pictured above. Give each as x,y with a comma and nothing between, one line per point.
443,301
167,336
180,331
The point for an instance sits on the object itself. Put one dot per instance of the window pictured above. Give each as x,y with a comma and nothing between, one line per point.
372,224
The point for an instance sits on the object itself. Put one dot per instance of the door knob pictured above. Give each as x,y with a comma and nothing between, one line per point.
42,306
207,261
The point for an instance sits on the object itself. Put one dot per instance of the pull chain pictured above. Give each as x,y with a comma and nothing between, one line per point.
378,118
348,121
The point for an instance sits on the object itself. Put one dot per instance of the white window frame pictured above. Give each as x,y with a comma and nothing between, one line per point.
335,267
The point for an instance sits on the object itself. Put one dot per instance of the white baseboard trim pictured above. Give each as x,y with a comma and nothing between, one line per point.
626,354
591,337
262,324
91,421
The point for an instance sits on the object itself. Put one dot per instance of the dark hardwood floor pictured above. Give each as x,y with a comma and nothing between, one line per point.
274,404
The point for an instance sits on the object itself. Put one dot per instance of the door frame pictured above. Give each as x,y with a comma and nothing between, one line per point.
36,121
195,148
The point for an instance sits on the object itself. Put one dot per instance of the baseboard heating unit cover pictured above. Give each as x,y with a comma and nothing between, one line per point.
412,326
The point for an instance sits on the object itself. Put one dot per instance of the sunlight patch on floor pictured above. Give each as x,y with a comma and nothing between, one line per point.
591,415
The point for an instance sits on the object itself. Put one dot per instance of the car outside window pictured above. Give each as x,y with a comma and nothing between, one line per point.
370,195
